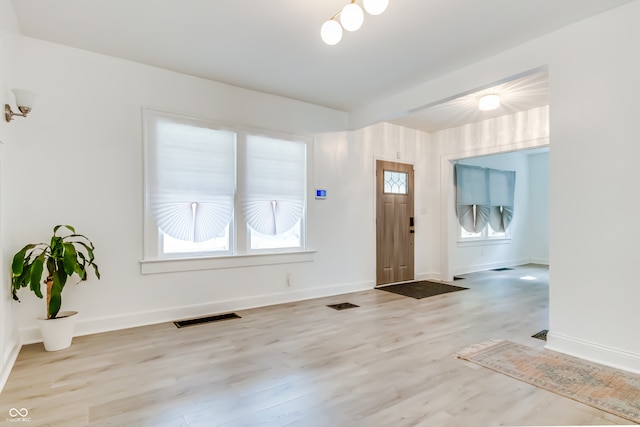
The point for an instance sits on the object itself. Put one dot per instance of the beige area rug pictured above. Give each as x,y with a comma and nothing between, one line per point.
605,388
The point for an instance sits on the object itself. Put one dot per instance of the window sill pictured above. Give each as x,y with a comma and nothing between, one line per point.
172,265
484,242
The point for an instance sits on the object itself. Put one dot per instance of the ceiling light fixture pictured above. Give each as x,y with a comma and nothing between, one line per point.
24,101
351,19
331,32
375,7
489,102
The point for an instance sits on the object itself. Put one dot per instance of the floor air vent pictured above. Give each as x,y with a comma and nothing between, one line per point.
208,319
342,306
542,335
501,269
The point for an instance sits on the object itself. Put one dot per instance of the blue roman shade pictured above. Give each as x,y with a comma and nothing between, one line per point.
484,196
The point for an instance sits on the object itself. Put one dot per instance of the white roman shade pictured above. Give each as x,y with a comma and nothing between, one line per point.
191,176
484,196
273,193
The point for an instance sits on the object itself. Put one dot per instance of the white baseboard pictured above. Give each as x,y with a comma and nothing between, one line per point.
594,352
428,276
490,265
541,261
96,325
9,359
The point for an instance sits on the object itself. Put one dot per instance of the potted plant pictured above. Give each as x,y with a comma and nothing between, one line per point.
63,257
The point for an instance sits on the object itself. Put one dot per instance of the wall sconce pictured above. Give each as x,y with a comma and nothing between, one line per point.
24,101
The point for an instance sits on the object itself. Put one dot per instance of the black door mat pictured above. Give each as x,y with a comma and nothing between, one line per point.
542,335
421,289
342,306
208,319
501,269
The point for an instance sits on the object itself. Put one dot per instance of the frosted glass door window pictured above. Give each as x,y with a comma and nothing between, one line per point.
396,182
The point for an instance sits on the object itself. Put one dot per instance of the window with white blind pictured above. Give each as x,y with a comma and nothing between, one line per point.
272,192
218,190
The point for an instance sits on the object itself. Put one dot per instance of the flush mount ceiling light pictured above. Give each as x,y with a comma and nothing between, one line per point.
351,19
489,102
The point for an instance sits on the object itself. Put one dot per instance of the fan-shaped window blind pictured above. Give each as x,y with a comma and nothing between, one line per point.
501,195
472,187
484,196
191,177
273,194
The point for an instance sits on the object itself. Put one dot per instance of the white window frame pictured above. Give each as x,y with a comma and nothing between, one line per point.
484,236
239,254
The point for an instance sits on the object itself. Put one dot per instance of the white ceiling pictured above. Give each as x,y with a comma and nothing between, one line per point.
519,93
274,46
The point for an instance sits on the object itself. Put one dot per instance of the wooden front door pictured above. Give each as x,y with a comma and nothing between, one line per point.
394,222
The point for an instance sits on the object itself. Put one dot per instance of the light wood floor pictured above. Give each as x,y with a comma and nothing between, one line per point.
387,363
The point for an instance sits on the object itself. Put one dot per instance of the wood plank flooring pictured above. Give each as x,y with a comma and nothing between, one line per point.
388,362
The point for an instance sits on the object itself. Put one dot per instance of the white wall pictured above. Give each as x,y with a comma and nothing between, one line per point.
538,227
86,131
343,229
594,179
8,20
8,337
594,92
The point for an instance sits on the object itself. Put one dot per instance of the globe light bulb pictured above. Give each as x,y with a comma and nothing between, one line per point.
351,17
375,7
331,32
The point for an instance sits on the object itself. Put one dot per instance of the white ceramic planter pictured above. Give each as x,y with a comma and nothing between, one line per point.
57,333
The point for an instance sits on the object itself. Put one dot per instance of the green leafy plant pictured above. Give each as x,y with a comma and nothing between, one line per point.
63,257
